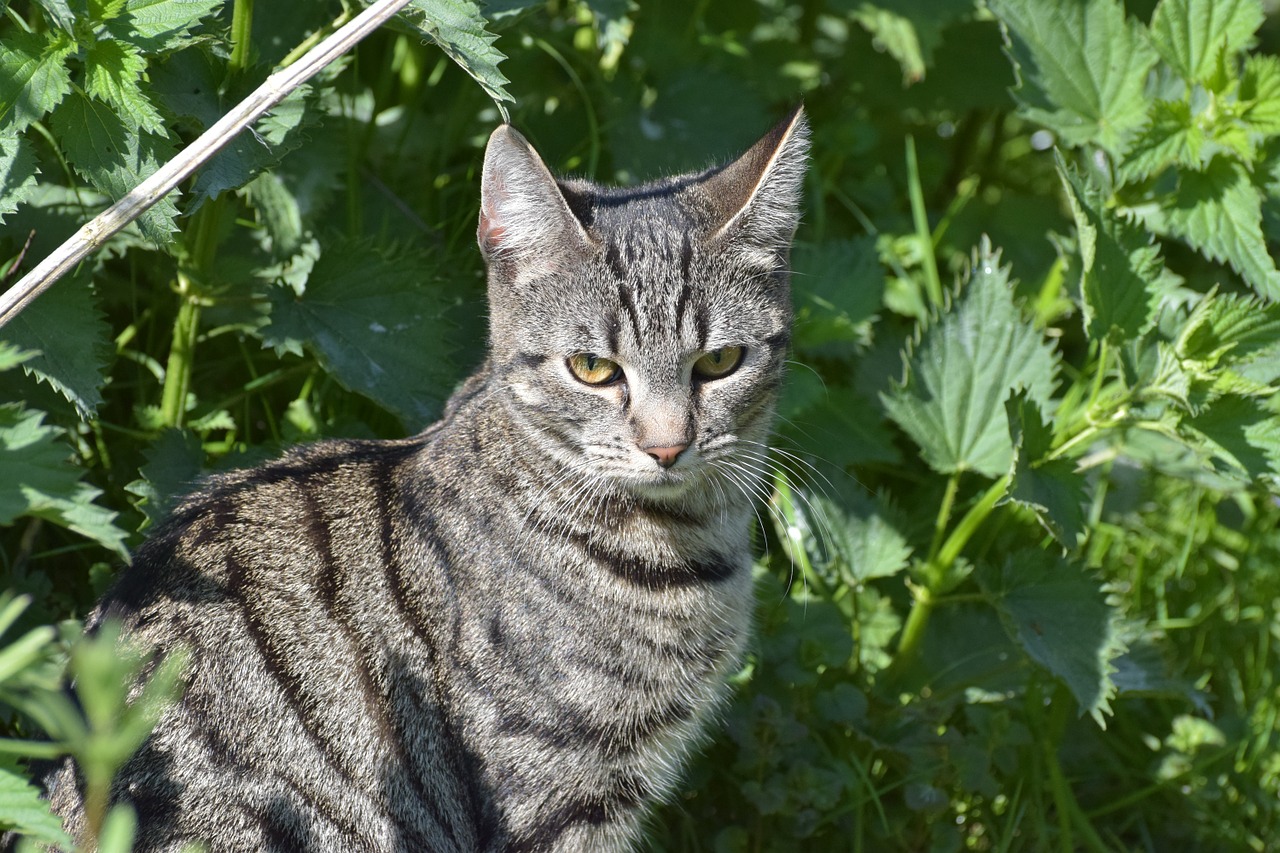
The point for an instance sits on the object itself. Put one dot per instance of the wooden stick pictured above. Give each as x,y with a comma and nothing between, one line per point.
276,87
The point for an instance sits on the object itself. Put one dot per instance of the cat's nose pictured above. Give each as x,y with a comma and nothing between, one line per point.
665,456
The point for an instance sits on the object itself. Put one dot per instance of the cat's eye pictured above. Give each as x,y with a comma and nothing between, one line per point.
718,363
594,370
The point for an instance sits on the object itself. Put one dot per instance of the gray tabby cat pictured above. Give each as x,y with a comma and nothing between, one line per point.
505,633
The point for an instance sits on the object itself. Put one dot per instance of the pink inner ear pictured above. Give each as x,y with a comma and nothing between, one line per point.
491,233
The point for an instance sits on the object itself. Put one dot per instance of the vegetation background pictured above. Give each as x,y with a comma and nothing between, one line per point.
1020,567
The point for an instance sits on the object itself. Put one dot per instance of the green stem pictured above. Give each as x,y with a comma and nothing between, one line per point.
920,218
971,522
177,373
944,514
241,28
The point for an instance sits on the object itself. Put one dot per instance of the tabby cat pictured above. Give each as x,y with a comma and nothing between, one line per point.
505,633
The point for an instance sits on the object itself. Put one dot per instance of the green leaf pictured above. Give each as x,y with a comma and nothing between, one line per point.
17,174
1191,35
374,320
856,542
837,287
24,810
1218,211
37,479
458,28
161,25
1171,137
1120,264
964,367
34,77
174,464
11,356
113,71
251,153
1260,93
1050,488
1243,432
72,338
115,158
909,30
1081,66
1229,328
1060,617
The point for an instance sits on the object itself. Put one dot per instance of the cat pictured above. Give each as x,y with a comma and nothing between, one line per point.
507,632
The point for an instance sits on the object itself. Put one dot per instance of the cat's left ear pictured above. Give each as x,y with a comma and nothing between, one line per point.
756,199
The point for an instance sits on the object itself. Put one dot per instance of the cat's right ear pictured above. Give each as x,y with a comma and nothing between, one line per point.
524,217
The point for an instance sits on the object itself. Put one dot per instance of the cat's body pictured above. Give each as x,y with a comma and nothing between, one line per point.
506,632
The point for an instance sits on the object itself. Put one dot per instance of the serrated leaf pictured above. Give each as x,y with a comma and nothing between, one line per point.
1171,137
34,77
1229,327
964,367
78,512
1120,264
1191,35
113,70
12,356
374,320
104,10
856,543
72,339
1081,67
1218,211
837,287
17,174
252,152
1060,617
161,25
59,11
115,158
458,28
1241,431
174,464
1260,93
1049,487
24,810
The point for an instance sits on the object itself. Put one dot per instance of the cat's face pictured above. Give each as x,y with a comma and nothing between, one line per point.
641,333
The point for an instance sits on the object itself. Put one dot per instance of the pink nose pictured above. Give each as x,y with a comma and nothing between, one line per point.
665,456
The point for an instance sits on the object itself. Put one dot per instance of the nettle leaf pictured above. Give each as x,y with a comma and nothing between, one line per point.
1243,432
1192,35
458,28
909,30
174,463
1172,137
115,158
375,321
252,152
59,11
113,70
837,287
12,356
38,479
18,172
1229,328
1058,614
1081,67
1260,93
34,77
161,25
1050,488
856,542
73,341
964,367
1120,264
24,809
1219,212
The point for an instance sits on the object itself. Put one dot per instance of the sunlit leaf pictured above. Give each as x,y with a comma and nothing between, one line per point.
158,25
1081,66
964,367
1191,34
17,173
34,77
22,808
1049,487
458,28
113,70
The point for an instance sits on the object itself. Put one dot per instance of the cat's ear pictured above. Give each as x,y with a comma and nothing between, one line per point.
756,198
523,214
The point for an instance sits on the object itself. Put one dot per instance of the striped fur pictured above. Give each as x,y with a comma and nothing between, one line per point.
507,632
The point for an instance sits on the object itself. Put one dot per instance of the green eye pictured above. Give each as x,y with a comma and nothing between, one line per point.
594,370
718,363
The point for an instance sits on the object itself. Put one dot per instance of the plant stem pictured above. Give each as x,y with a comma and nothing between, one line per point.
920,218
944,514
177,373
241,28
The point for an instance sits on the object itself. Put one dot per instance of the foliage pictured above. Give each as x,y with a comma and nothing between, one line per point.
1017,586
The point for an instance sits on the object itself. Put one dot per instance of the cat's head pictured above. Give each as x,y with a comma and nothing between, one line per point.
640,333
